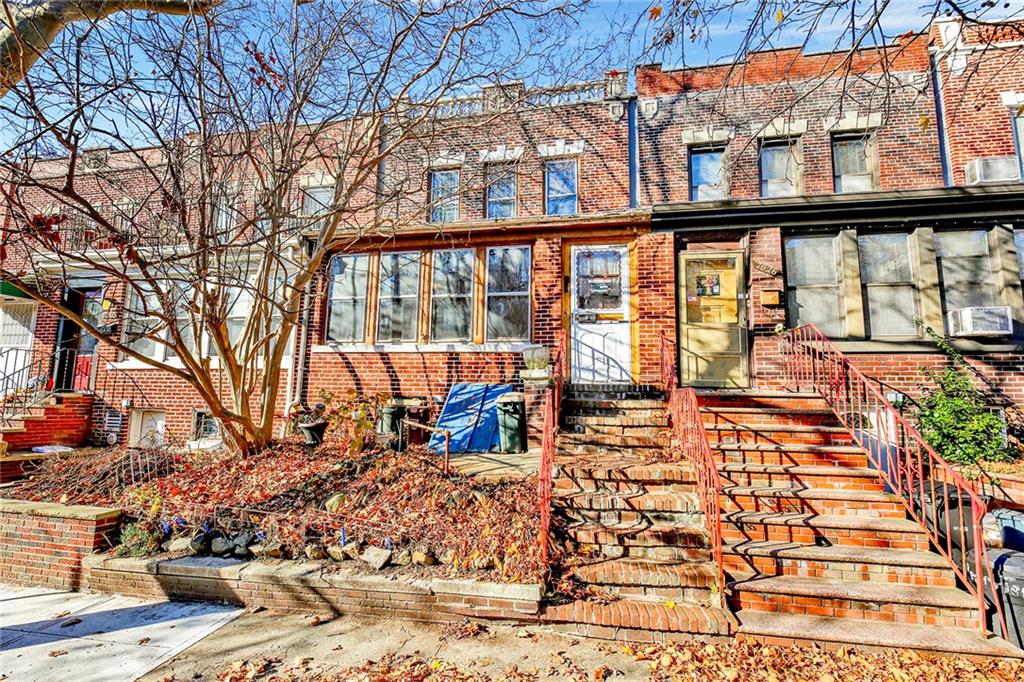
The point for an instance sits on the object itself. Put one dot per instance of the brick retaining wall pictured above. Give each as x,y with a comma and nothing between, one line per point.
312,586
44,544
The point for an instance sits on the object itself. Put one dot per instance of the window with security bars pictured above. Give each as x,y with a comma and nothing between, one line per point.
887,284
965,269
398,301
451,295
813,283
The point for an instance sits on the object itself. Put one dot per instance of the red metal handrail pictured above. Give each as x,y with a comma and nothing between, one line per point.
549,444
691,439
907,465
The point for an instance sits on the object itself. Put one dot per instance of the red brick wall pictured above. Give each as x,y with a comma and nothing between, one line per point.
44,544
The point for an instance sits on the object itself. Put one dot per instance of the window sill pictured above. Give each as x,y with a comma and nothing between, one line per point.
493,347
133,364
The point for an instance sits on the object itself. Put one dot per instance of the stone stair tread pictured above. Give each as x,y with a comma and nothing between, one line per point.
858,590
779,428
841,521
639,471
625,403
788,447
862,555
732,409
643,615
627,571
868,633
799,493
797,469
758,393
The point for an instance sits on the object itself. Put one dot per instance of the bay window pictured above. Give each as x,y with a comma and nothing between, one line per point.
507,306
887,281
813,283
451,295
398,303
346,297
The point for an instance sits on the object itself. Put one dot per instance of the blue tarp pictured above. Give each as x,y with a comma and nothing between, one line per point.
471,415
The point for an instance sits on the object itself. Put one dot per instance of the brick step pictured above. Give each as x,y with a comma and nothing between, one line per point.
812,500
790,458
613,392
614,412
823,529
577,405
807,434
858,600
591,485
657,434
638,535
689,582
646,452
788,447
617,508
817,476
768,416
751,559
671,472
635,620
658,421
804,629
616,441
763,399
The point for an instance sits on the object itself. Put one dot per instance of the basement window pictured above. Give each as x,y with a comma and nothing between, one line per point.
146,429
205,427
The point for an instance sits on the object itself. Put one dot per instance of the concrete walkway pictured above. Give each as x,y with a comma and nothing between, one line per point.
74,637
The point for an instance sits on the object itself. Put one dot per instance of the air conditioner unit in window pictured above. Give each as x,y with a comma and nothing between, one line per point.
993,169
981,321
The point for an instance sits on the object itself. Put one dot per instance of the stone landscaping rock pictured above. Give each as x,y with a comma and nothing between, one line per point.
337,553
376,557
200,543
352,549
179,544
334,502
314,552
423,558
243,540
403,558
269,550
221,546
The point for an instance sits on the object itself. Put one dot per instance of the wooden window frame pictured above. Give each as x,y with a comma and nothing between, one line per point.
528,293
331,298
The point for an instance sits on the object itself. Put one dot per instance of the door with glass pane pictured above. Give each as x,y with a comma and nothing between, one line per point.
712,325
17,319
601,349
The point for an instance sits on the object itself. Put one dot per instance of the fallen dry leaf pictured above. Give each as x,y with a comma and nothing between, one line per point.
57,652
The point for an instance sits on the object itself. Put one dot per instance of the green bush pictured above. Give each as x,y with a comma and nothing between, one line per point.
138,539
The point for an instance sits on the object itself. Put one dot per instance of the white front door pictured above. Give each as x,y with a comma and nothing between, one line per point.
601,348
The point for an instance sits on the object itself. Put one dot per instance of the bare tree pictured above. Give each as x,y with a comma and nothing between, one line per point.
205,167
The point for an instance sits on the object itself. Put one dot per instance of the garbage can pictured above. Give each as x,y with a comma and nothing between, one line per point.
511,423
1008,572
945,508
1012,522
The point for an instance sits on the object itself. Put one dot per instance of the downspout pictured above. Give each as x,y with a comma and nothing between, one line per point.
298,366
634,155
940,125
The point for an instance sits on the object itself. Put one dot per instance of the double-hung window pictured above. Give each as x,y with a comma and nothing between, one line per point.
317,201
813,284
225,216
560,187
1018,134
1018,241
140,325
780,172
887,281
346,298
853,163
501,191
451,295
965,269
707,174
444,196
399,297
508,294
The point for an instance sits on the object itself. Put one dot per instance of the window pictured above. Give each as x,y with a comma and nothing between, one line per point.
779,168
501,192
16,322
965,269
146,429
1018,241
812,283
444,196
887,280
1018,134
707,176
508,294
853,163
346,298
205,426
560,193
451,295
398,307
224,216
317,201
139,327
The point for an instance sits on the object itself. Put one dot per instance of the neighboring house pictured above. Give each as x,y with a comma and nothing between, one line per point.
863,195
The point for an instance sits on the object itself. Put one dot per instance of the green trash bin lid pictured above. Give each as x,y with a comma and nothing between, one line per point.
510,398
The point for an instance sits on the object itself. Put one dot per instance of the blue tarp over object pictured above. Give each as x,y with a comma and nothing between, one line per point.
471,415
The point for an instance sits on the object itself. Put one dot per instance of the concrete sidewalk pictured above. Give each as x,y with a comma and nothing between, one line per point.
74,637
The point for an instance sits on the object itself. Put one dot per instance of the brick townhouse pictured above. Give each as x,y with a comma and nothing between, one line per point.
863,194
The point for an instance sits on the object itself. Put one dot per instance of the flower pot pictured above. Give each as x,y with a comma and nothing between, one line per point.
314,432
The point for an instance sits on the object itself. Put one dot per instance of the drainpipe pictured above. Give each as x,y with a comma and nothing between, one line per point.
634,155
298,367
940,123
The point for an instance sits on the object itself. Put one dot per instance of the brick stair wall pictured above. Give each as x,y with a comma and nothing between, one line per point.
65,419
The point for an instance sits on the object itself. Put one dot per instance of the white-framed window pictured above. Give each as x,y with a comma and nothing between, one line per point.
225,215
317,201
780,168
451,295
346,297
139,325
813,284
146,428
1018,136
707,173
205,427
561,193
854,164
444,195
399,297
965,269
1018,241
17,321
501,191
507,305
887,281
